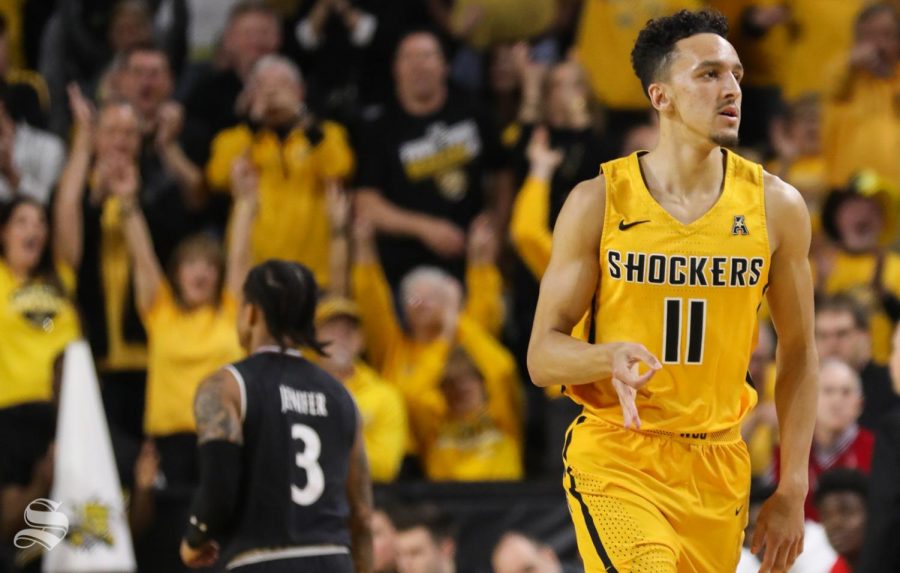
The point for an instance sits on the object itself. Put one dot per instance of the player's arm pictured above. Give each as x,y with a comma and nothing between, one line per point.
217,409
359,495
567,288
790,297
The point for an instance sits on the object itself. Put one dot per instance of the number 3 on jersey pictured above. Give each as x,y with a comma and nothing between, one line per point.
308,460
696,330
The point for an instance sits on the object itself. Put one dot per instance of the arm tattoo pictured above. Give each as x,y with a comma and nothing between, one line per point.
217,417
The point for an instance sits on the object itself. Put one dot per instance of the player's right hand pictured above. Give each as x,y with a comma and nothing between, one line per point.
627,379
626,358
204,556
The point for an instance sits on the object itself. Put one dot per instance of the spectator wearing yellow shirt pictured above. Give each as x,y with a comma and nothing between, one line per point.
413,358
380,404
460,434
190,316
862,117
758,29
607,32
861,222
88,227
820,33
37,320
296,156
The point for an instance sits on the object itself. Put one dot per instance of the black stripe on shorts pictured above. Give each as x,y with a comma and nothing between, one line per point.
592,529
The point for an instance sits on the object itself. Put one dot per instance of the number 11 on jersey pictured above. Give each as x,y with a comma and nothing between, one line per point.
672,329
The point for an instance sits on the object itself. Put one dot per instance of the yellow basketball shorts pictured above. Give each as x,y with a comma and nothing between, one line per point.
654,502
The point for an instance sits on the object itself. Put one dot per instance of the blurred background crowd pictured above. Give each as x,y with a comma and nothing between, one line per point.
415,155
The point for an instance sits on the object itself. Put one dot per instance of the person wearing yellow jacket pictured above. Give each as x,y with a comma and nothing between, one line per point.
380,404
432,304
463,434
297,158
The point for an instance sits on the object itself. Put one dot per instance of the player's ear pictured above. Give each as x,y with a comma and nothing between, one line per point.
659,96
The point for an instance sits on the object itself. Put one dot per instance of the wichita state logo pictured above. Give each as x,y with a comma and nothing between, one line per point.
90,525
39,304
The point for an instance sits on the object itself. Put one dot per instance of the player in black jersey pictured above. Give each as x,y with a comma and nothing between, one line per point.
284,482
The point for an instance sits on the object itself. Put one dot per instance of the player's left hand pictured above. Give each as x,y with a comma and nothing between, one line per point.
203,556
779,530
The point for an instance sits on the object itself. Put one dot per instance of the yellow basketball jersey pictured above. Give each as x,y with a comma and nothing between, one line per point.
689,293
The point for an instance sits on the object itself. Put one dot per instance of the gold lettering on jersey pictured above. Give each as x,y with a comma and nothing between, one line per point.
684,270
306,403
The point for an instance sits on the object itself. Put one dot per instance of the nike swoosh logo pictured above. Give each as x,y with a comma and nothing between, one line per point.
738,510
623,226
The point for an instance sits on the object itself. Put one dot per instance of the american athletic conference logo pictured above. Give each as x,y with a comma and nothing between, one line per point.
46,525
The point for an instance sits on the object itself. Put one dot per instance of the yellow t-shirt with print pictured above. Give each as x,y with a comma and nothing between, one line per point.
184,347
384,420
36,323
292,221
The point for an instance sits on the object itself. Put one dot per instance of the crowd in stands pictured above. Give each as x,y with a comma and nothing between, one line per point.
414,154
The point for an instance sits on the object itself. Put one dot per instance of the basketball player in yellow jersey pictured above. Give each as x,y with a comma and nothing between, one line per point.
672,252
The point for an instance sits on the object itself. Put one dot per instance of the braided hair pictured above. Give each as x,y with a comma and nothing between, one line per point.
286,292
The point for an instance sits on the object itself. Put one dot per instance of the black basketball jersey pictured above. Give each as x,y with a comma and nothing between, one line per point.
299,427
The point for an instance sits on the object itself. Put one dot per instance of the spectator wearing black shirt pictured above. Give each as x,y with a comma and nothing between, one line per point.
842,332
360,34
171,181
881,552
90,234
252,31
424,166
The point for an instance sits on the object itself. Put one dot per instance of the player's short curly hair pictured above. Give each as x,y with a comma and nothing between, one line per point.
656,42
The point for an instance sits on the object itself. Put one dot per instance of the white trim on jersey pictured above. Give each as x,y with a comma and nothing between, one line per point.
278,350
243,387
255,556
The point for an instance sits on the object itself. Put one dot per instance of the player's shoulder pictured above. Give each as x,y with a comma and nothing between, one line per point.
782,198
581,218
787,215
588,196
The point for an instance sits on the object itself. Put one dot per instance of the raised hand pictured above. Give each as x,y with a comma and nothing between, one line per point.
444,238
244,179
169,122
544,160
339,207
82,110
452,309
146,467
482,248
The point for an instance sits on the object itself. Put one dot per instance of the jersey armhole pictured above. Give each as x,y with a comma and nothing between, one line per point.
243,387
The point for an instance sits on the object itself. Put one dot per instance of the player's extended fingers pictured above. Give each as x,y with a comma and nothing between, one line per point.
759,536
778,550
626,396
795,551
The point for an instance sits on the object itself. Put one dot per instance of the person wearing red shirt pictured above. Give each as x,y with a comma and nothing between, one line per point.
838,441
